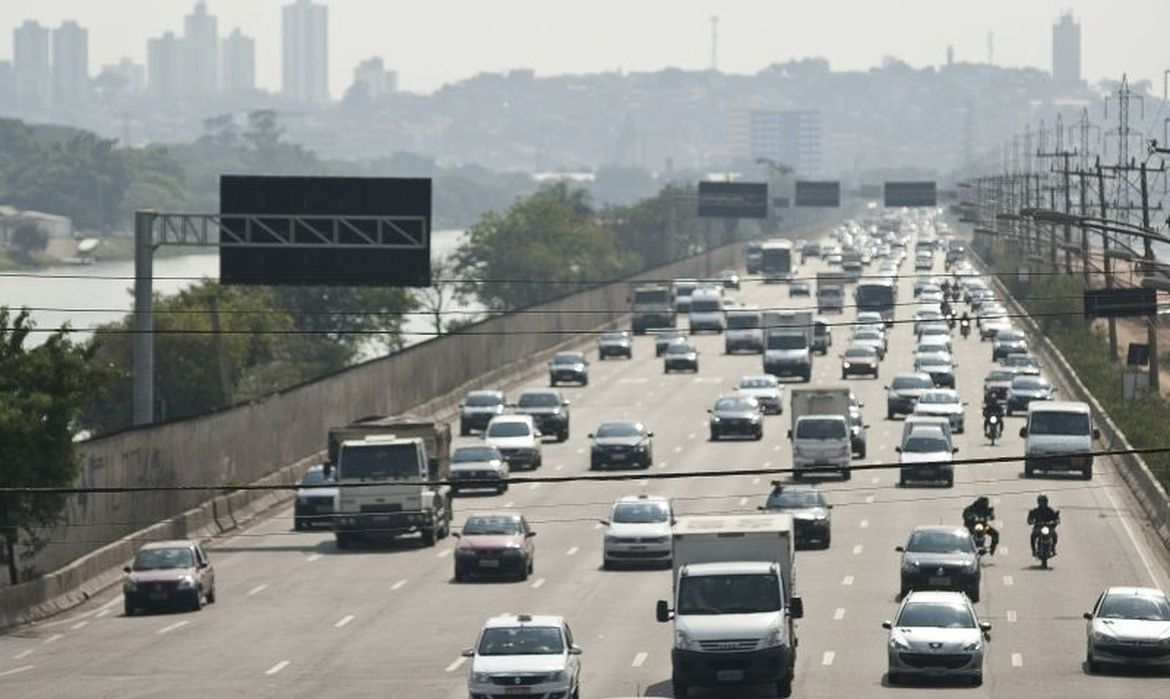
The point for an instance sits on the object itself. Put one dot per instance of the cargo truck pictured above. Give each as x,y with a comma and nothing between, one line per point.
733,602
788,340
830,292
877,296
776,260
821,432
652,307
382,467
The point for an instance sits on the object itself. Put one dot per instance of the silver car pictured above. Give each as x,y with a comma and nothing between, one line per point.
638,531
936,634
1129,626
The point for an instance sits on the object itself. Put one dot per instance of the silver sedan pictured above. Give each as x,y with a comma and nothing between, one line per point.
936,634
1129,626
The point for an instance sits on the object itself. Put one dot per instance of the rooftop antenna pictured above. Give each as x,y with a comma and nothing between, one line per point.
990,48
714,42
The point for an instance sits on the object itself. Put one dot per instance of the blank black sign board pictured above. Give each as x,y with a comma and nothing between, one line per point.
733,200
819,194
1138,354
377,212
1120,303
911,194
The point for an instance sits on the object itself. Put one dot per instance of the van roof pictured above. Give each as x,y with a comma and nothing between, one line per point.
1058,406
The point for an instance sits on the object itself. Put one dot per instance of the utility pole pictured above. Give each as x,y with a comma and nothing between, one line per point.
714,43
1113,356
1152,321
1061,152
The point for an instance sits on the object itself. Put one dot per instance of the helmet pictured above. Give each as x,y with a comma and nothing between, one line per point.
981,500
1042,500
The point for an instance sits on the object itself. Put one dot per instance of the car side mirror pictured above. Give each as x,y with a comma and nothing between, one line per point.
886,387
649,434
662,611
456,534
1088,616
468,653
796,608
538,434
985,626
566,403
900,549
966,402
898,450
604,522
589,436
1096,433
954,450
1023,431
125,569
887,625
790,434
529,534
761,508
865,426
574,650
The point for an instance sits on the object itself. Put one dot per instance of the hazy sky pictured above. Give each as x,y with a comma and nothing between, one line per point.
432,42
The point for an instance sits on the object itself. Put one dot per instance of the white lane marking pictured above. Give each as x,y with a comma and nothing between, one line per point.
644,482
1002,550
343,621
827,658
573,551
857,550
847,580
398,585
691,435
256,590
55,637
838,614
533,486
508,505
875,479
457,664
23,654
756,481
16,670
558,467
581,450
101,614
767,464
277,667
1017,660
538,584
662,464
1121,517
678,450
1008,581
869,499
865,524
996,500
636,379
599,525
776,448
313,557
443,554
1011,616
110,604
172,627
639,660
742,502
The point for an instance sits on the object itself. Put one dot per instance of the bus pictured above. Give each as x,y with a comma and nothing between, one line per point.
776,260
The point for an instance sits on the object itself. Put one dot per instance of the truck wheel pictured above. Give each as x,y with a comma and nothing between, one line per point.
890,414
127,607
679,688
464,430
428,536
846,474
784,688
342,540
861,454
1087,474
1029,471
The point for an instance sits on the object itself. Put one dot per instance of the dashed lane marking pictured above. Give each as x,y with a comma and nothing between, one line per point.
691,435
538,584
663,464
1002,551
16,670
767,464
864,524
1017,660
776,448
857,550
256,590
457,664
312,557
573,551
558,467
634,379
398,585
827,658
341,623
1011,616
581,451
743,501
847,580
1008,581
533,486
639,660
56,637
102,613
869,499
509,504
79,625
23,654
678,450
598,525
443,554
277,667
756,481
875,479
172,627
838,614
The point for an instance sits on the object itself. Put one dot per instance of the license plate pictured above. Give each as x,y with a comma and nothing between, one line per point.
381,519
940,581
729,675
618,457
517,690
636,548
488,563
822,462
158,595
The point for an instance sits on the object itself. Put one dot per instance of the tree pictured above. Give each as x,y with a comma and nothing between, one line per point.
438,298
42,390
29,239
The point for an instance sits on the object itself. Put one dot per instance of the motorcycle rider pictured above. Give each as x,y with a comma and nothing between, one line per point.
965,324
981,510
1042,515
991,407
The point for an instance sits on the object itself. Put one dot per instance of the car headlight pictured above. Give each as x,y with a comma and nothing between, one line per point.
714,418
909,566
186,582
754,418
464,552
611,539
683,641
772,639
558,676
481,677
896,641
843,451
1102,637
847,365
130,586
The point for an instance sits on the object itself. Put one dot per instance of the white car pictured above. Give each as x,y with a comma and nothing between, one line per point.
517,438
936,634
1129,626
528,652
766,389
942,402
478,466
870,337
926,454
638,531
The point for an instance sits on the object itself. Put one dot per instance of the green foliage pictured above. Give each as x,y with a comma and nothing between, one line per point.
29,239
42,390
544,246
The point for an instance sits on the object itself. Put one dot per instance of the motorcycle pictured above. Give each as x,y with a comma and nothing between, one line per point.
1044,542
965,328
979,534
993,428
951,321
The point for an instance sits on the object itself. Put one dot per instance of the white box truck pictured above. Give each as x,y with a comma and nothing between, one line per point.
734,607
788,344
820,430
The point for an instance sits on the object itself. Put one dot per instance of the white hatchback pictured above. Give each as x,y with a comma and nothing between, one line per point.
526,655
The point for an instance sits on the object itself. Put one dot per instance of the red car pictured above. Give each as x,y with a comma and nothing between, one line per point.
169,573
498,543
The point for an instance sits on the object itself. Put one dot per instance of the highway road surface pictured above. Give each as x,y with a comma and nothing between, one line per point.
296,617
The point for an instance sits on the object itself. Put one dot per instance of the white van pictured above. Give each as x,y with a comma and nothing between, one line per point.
913,421
1060,429
706,311
744,330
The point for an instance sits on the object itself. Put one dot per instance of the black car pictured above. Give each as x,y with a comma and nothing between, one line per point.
621,444
728,278
902,394
941,557
615,344
1008,341
477,410
799,288
1026,388
736,415
941,369
860,360
665,338
680,356
548,409
810,513
997,383
568,367
314,506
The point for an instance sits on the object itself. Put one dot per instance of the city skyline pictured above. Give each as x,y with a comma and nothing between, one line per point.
414,40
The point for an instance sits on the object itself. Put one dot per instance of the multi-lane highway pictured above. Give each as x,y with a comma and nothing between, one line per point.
296,617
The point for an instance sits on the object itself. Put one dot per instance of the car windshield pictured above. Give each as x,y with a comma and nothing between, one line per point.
613,336
680,348
316,477
1020,359
1009,336
867,335
468,454
729,594
482,400
925,445
924,348
378,462
521,640
814,428
787,341
618,429
940,542
758,382
492,525
861,352
938,398
936,615
567,359
786,499
1029,383
935,363
508,429
640,512
743,321
538,400
1057,422
1143,607
162,559
999,376
667,335
735,405
902,383
706,306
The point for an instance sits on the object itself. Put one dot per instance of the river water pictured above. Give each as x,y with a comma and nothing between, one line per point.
88,296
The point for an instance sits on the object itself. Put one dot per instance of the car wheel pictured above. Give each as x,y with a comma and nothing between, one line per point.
784,687
861,454
127,607
523,573
428,537
1029,471
894,677
464,430
1009,410
197,601
679,689
211,595
342,540
843,376
846,474
298,524
501,490
977,680
890,414
714,436
1093,665
460,576
759,435
1087,474
585,381
973,593
828,541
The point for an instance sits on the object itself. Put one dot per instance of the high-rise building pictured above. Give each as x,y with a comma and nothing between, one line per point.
164,67
1066,52
201,52
31,65
238,64
791,137
124,79
7,85
70,64
306,52
376,80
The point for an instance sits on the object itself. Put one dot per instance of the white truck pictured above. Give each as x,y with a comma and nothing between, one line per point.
830,292
788,344
383,468
820,431
734,607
